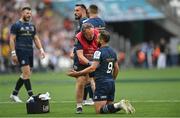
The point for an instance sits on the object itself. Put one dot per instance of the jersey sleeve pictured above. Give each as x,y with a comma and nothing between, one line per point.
97,55
78,45
13,29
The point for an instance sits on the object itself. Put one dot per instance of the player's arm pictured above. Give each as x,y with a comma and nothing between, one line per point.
72,53
83,60
12,47
79,51
39,46
12,42
87,70
116,70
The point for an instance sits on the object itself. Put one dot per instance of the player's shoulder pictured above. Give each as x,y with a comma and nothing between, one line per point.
83,20
101,21
108,49
112,50
31,23
97,22
97,54
15,25
76,41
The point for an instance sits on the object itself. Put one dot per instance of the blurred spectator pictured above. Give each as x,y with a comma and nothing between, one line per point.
141,56
173,51
155,54
121,57
4,42
161,62
149,54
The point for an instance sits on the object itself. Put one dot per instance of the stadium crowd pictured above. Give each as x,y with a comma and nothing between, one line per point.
55,33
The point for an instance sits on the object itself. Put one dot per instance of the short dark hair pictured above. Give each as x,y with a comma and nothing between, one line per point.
81,5
93,9
86,26
104,35
24,8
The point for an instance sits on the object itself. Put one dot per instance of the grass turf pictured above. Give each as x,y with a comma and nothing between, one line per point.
154,93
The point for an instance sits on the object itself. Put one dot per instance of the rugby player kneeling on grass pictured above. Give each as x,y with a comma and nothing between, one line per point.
106,69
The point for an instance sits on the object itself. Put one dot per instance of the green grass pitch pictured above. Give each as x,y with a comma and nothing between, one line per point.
153,93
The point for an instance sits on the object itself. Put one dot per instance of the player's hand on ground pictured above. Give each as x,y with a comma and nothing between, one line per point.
72,73
14,60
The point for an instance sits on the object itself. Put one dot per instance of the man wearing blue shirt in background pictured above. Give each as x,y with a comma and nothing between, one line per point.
94,19
81,15
23,34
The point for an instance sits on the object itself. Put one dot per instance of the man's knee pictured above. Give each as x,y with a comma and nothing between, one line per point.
26,72
81,81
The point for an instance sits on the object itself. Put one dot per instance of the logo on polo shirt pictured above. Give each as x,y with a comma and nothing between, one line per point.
23,62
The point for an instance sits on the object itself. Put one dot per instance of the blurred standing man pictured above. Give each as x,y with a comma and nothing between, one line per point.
99,24
23,33
81,14
94,19
106,69
161,62
85,46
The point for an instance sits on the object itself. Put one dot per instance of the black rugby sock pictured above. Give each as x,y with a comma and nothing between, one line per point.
109,108
90,91
19,84
27,84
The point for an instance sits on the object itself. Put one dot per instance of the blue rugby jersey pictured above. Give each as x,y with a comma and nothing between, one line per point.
96,22
106,57
25,32
79,27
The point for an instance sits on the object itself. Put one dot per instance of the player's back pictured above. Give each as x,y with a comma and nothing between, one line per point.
107,59
96,22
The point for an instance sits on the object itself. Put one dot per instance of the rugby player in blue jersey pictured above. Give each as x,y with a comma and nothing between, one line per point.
94,19
23,34
81,15
106,69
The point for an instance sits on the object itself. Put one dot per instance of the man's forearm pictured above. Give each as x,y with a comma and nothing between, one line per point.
12,44
38,43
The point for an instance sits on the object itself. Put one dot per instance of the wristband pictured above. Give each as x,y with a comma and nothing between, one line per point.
13,53
89,63
41,49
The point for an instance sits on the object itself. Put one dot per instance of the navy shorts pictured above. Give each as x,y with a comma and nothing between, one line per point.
104,91
25,57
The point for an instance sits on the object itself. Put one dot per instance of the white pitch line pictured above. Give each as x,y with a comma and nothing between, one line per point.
155,101
135,101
